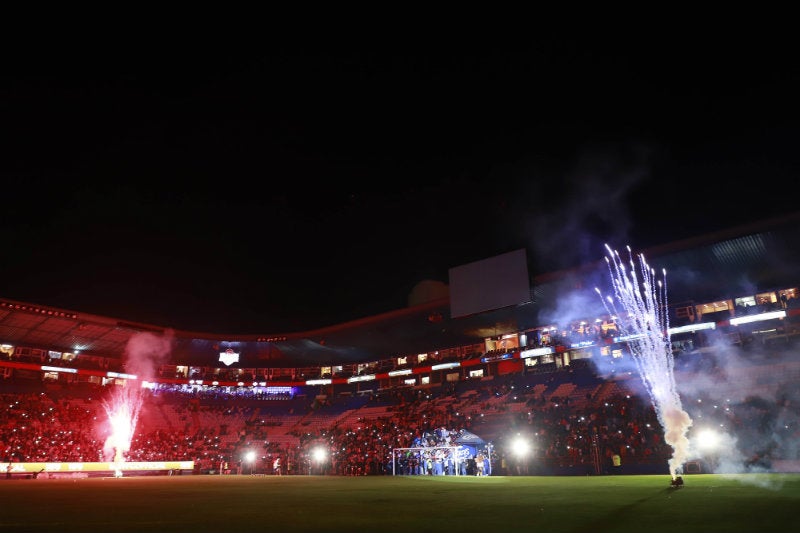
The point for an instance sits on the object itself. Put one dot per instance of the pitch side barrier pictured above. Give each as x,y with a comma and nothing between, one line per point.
51,470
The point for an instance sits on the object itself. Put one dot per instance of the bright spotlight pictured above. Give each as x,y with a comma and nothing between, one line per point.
250,457
520,447
319,454
708,440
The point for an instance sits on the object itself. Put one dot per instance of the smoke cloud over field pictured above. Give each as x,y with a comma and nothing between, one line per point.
741,402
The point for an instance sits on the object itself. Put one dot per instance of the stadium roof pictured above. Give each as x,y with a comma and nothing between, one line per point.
739,261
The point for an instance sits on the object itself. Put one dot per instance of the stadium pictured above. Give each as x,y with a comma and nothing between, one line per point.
504,376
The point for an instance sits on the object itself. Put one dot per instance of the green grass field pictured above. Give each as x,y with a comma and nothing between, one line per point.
740,503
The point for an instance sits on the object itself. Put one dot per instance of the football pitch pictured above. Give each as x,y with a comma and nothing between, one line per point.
386,504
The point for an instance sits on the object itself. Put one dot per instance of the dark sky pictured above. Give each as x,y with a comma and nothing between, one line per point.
285,189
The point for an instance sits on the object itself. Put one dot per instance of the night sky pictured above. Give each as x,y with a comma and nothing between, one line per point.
286,188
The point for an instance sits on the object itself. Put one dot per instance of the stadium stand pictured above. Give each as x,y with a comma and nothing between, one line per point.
578,404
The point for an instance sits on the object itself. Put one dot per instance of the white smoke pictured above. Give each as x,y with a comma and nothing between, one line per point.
145,352
749,398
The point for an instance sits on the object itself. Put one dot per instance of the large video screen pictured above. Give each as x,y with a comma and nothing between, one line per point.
489,284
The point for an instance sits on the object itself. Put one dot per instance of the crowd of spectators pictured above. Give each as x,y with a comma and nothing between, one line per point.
591,431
